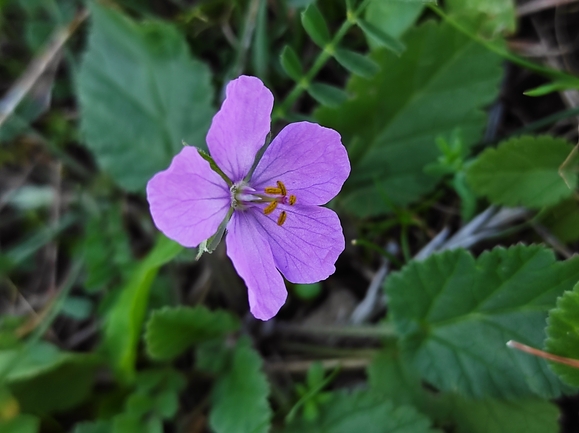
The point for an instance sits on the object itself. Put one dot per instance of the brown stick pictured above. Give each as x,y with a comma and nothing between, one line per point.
545,355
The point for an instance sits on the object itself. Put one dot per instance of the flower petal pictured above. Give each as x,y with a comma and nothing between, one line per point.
240,127
189,200
253,261
309,159
307,245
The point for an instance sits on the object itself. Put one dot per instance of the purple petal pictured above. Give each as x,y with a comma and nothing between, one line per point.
240,127
188,201
253,261
307,245
309,159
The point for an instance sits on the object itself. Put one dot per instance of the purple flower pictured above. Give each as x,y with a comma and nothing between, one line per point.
277,223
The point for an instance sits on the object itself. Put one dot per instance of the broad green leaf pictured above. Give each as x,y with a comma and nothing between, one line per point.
562,220
291,64
20,424
124,322
365,412
489,17
356,63
563,334
44,379
455,314
315,26
396,380
327,95
171,331
391,122
240,395
141,95
392,17
523,171
380,37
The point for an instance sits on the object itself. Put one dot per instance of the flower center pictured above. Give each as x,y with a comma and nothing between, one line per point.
243,196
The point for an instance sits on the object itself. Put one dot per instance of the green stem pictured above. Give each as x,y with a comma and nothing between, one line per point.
281,111
503,52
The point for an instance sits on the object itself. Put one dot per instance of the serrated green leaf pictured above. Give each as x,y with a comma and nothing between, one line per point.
380,37
124,322
141,94
291,64
396,380
438,85
327,95
171,331
356,63
240,395
522,171
363,411
315,26
392,17
106,249
563,334
455,314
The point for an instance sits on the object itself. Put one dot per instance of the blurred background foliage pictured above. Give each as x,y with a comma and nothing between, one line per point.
461,217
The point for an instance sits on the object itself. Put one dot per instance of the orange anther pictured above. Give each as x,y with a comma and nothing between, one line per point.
281,186
270,208
282,217
273,190
292,199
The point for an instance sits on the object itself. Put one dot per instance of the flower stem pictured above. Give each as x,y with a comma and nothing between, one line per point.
323,57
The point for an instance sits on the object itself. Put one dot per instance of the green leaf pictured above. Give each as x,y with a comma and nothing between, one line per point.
124,322
315,26
45,379
356,63
327,95
291,64
20,424
260,49
563,334
106,249
93,427
555,86
455,313
488,17
380,37
365,412
396,380
522,171
562,220
141,95
390,123
240,395
392,17
171,331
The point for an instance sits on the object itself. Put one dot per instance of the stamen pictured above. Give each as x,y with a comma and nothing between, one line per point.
282,217
273,190
292,199
270,208
281,186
